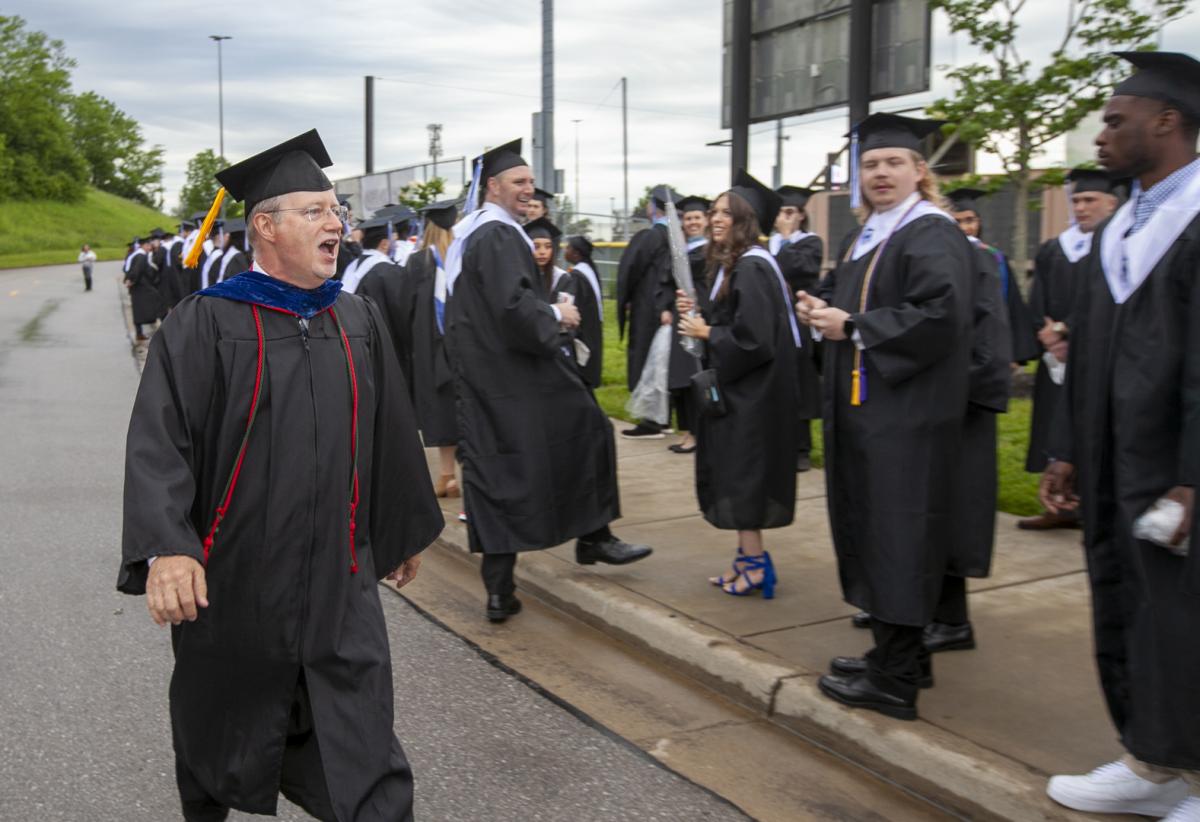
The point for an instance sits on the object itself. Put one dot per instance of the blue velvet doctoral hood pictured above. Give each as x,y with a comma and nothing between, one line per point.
262,289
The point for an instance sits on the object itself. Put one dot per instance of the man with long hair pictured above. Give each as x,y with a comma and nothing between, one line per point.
896,319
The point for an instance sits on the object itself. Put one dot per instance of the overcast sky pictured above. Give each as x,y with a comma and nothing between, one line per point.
472,65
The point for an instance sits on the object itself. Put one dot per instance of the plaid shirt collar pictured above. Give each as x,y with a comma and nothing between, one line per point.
1145,203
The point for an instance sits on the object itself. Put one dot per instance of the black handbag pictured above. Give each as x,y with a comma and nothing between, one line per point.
707,393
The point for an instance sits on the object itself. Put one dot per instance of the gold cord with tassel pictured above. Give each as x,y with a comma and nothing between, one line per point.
193,257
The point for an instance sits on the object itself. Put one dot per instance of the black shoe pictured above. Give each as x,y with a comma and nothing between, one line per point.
854,665
611,551
681,449
861,620
803,463
859,692
500,608
941,637
642,431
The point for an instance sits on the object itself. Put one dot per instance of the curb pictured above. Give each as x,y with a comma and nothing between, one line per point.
965,778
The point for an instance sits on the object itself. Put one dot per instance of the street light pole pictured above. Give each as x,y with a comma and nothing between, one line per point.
220,88
577,205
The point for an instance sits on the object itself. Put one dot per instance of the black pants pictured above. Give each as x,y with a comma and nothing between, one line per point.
685,409
87,279
804,438
895,662
497,569
301,780
952,605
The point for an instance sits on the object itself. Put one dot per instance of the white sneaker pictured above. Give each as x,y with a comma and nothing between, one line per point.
1186,811
1114,788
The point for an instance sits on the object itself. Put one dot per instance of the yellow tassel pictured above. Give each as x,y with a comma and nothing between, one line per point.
193,257
855,388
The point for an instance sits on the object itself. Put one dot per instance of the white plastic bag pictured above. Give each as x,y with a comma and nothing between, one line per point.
650,399
1159,523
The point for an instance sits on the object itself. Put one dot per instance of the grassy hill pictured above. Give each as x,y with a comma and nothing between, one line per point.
45,233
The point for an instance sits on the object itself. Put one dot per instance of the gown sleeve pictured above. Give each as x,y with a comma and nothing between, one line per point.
160,451
905,339
801,263
629,271
749,340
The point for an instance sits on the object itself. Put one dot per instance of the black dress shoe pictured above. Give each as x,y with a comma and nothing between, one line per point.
611,551
939,636
854,665
859,691
861,620
803,463
500,608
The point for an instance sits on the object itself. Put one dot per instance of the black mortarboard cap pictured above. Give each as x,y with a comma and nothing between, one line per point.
882,130
765,202
498,160
198,217
235,225
442,214
293,165
794,196
692,203
1169,76
545,196
185,225
581,244
660,195
543,229
395,213
965,199
1090,179
157,233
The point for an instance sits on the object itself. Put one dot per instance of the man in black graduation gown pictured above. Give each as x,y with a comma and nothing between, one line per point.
234,257
1055,268
140,275
273,475
538,458
693,217
799,255
348,249
896,316
1128,436
645,294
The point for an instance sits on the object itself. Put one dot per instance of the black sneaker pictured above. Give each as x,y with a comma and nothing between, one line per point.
642,431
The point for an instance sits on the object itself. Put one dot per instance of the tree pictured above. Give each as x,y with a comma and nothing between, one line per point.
200,186
416,195
35,73
1012,109
111,142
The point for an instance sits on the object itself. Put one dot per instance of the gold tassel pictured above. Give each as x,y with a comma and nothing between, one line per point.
193,257
856,380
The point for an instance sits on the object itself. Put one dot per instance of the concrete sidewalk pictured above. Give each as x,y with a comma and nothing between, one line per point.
1002,718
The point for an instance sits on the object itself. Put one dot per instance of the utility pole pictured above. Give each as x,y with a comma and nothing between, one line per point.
860,61
435,143
369,125
577,122
777,174
220,88
545,174
739,86
625,149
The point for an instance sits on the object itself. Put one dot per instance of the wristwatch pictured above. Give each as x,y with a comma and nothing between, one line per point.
1060,328
848,327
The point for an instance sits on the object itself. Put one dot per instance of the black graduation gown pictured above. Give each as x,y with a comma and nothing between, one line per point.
283,599
683,365
538,456
1130,423
800,263
645,289
591,326
348,252
389,287
1025,345
147,303
1051,296
235,265
891,464
987,396
168,288
746,459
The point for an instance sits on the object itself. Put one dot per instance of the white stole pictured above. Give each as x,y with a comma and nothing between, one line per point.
209,262
1075,243
489,213
355,272
1128,261
762,253
590,275
880,226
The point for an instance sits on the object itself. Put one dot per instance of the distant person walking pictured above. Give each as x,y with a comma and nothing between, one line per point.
87,258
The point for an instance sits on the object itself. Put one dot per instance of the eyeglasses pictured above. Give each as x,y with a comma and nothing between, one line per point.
314,213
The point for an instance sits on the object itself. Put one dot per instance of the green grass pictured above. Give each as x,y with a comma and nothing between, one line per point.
49,233
1017,490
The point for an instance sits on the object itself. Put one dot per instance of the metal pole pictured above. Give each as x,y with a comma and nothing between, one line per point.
625,151
860,60
577,205
369,125
777,177
546,172
739,86
220,90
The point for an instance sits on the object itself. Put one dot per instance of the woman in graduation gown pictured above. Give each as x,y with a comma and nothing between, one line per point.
745,459
896,316
591,308
414,303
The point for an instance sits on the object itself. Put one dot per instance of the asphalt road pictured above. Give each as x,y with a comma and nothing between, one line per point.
83,670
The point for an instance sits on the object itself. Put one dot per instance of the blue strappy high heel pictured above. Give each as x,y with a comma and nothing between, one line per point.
738,561
766,584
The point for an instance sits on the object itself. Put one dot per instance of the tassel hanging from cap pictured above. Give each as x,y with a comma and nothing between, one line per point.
193,257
